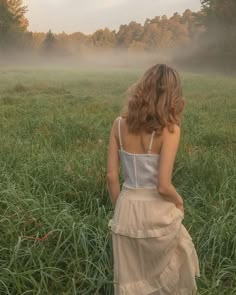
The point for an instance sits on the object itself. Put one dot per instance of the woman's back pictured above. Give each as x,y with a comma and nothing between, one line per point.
137,143
140,169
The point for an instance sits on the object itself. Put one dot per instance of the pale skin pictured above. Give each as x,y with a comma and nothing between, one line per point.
166,145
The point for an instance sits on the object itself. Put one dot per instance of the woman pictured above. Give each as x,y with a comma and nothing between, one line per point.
152,250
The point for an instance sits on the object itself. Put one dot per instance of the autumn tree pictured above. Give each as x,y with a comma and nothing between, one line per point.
180,32
13,24
219,12
151,35
79,41
103,38
38,38
127,34
8,25
18,10
165,33
219,19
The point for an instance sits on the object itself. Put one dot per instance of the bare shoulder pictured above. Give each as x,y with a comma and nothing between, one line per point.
117,118
175,133
115,126
115,122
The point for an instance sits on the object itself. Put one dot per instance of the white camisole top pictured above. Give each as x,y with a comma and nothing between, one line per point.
139,170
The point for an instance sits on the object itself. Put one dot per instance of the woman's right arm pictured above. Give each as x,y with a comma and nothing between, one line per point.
167,158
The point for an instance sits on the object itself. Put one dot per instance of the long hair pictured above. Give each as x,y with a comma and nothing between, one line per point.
155,101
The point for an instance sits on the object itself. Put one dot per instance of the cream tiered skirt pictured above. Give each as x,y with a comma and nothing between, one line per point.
153,252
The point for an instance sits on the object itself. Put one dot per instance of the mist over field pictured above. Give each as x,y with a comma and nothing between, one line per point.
186,60
105,58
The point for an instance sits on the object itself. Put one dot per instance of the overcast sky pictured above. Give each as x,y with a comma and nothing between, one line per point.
89,15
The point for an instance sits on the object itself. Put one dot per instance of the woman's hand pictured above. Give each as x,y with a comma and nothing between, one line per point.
181,207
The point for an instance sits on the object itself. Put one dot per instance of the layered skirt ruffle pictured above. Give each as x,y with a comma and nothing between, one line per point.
152,250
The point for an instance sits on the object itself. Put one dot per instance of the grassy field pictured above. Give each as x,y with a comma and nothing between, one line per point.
54,211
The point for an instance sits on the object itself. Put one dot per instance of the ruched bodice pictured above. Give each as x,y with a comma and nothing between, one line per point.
139,170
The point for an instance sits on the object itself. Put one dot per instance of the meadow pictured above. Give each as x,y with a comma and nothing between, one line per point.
54,211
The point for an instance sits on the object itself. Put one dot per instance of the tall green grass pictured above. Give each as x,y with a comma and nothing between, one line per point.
55,207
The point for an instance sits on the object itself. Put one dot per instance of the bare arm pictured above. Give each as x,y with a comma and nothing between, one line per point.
113,162
167,158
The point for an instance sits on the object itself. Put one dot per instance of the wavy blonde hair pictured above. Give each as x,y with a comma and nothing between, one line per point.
155,101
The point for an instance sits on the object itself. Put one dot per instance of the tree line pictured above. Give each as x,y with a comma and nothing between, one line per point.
157,33
212,30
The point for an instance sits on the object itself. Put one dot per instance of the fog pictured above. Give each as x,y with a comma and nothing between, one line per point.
104,59
194,57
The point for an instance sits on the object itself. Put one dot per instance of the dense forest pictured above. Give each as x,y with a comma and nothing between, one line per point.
208,36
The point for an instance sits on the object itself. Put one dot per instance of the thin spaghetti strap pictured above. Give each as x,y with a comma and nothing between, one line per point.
121,146
150,145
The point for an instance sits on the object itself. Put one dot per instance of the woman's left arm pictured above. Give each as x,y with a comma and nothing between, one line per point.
113,163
